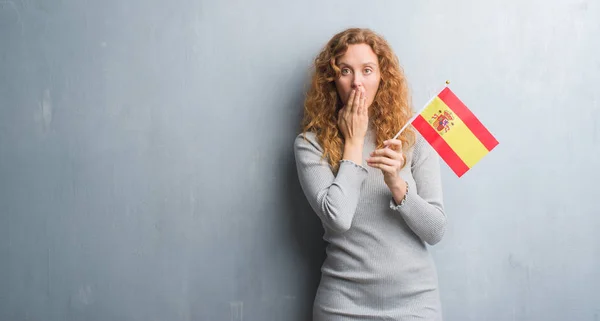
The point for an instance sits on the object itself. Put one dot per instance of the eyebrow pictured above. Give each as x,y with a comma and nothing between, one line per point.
372,64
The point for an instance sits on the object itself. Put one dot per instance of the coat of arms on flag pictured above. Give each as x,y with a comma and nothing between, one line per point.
442,121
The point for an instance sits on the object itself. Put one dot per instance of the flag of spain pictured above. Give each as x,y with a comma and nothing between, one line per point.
454,132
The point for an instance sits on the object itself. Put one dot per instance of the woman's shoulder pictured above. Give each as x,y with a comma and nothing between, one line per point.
307,140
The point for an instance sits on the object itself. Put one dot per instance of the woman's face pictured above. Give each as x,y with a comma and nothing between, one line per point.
359,69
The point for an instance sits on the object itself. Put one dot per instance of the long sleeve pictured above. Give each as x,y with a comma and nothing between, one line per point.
333,197
423,210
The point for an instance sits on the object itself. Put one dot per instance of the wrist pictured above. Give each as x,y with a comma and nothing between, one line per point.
353,151
354,144
399,189
398,186
397,202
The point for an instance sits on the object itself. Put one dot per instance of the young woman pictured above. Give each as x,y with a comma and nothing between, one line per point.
379,199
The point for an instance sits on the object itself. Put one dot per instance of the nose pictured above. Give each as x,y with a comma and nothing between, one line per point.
356,82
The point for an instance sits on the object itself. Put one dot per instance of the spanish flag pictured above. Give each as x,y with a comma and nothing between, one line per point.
454,132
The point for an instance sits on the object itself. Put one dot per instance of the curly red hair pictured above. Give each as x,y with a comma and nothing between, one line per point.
390,109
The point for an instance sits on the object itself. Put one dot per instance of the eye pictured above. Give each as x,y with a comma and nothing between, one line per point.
368,71
345,71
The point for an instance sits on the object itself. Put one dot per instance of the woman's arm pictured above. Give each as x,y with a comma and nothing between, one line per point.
333,197
423,209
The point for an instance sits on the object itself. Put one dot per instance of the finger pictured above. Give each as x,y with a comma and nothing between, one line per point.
395,144
387,152
361,105
364,104
356,102
395,156
383,161
350,99
385,168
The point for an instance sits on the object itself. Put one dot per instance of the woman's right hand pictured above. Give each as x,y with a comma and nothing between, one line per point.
353,118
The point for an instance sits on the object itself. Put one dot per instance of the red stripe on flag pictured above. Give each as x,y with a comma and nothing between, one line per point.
440,145
468,118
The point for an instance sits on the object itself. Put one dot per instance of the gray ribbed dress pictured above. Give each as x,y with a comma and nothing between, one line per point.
377,265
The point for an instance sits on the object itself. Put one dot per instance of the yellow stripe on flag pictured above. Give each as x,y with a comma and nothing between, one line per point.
459,137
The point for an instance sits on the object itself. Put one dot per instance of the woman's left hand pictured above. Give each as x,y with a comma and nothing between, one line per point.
390,161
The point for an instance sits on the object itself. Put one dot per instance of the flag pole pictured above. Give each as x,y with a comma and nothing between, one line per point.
417,114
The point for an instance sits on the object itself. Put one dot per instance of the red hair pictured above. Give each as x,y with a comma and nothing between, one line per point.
390,109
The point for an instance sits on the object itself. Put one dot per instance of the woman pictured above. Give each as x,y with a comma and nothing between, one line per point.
379,216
